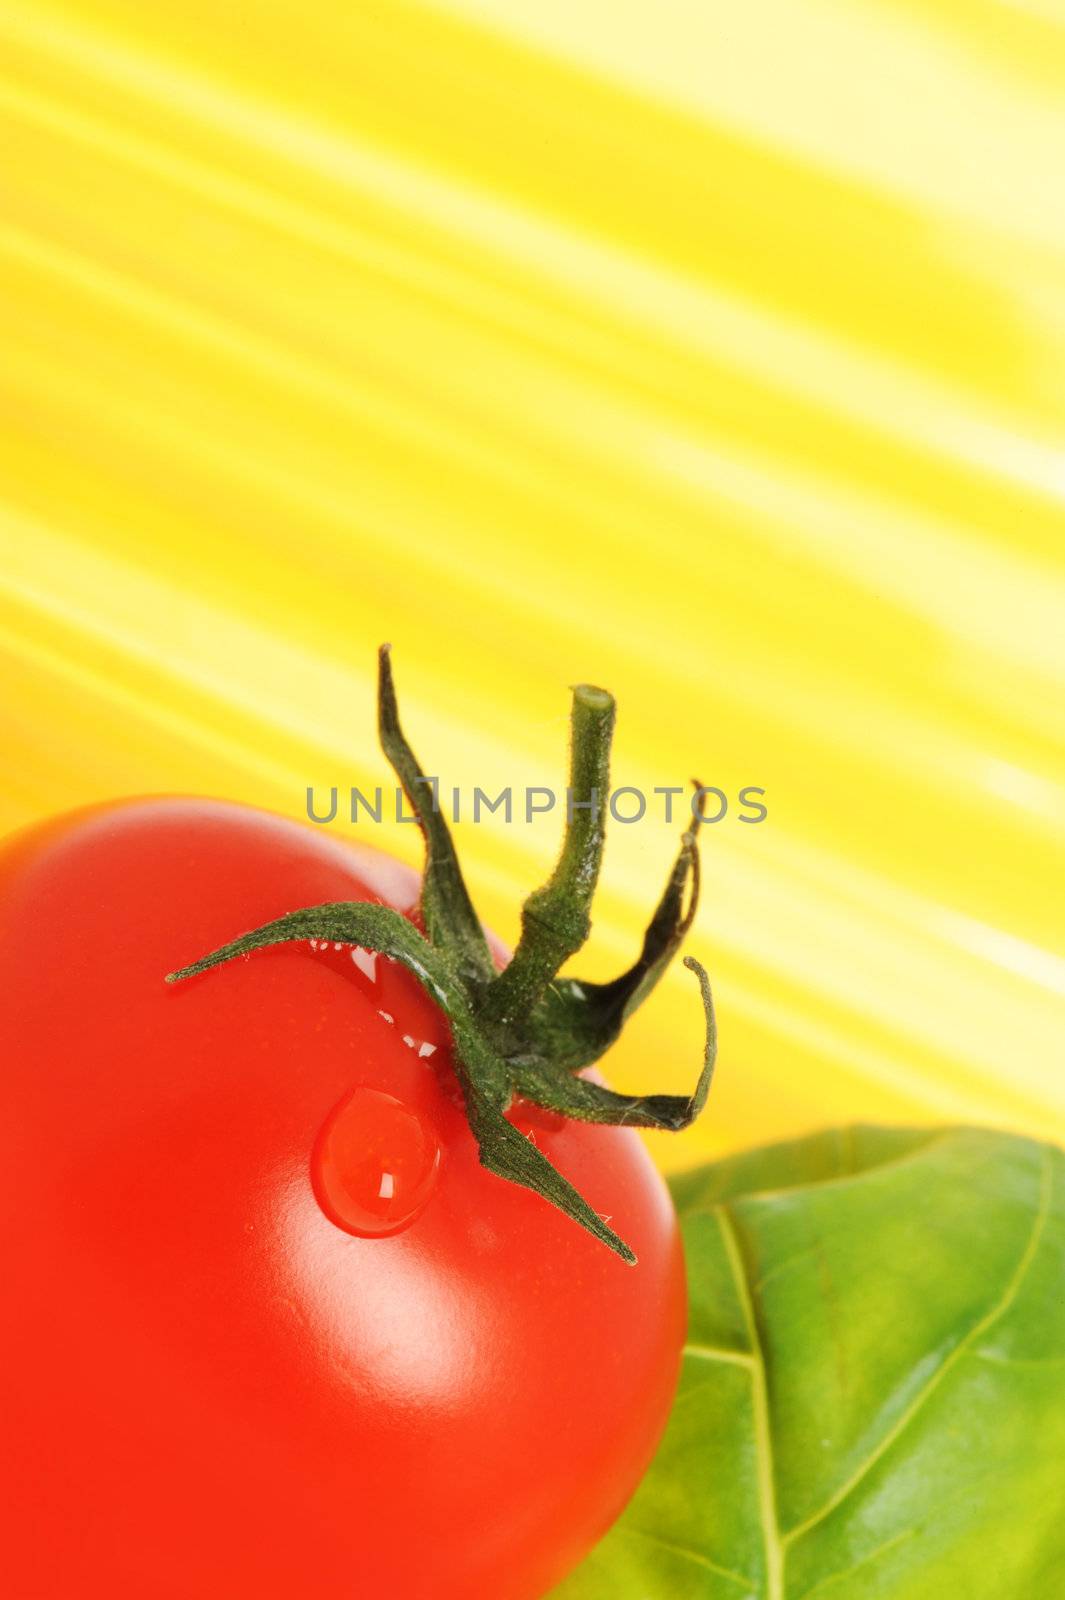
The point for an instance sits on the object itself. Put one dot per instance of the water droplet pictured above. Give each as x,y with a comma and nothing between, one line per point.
366,961
375,1164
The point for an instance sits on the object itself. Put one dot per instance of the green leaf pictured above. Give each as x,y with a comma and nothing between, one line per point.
872,1400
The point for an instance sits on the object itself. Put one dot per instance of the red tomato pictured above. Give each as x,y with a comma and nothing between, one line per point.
214,1387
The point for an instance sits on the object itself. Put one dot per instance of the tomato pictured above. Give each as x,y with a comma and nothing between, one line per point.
269,1327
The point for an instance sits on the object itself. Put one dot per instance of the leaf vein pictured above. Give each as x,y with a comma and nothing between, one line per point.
767,1499
694,1556
707,1352
976,1332
866,1561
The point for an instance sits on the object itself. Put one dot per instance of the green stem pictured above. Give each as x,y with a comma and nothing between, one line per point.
556,918
525,1031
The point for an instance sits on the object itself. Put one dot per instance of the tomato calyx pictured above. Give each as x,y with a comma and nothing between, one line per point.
523,1031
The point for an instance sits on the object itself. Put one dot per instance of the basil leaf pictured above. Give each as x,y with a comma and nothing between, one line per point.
872,1401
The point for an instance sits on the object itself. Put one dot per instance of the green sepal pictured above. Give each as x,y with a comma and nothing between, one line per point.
447,912
587,1101
486,1079
576,1022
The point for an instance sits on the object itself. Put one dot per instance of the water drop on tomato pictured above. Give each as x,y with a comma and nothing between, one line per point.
375,1164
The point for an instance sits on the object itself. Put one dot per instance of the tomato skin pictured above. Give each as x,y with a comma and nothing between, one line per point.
210,1390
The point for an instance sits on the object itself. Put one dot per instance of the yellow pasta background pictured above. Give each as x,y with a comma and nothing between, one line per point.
715,353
